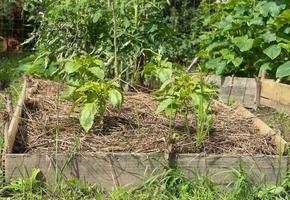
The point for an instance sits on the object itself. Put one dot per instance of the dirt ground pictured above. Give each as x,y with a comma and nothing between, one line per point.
132,128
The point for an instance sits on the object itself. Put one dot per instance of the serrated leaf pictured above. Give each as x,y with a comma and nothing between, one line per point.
273,51
243,43
115,97
98,72
283,70
71,67
163,105
87,115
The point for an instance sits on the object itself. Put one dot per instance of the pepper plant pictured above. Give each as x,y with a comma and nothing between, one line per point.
90,90
182,93
187,95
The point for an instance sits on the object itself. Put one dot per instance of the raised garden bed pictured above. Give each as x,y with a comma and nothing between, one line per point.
134,142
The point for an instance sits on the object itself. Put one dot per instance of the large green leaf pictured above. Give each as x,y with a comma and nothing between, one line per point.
269,8
269,37
283,70
71,67
212,63
164,104
220,68
243,43
87,115
273,51
115,97
164,74
98,72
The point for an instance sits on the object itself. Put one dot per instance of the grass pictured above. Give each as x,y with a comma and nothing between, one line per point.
170,185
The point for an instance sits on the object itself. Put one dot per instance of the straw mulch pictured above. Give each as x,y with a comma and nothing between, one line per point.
132,128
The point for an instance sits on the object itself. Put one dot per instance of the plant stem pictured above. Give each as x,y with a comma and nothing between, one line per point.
116,67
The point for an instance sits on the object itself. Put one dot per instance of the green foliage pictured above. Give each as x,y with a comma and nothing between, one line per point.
244,37
276,192
159,69
8,66
90,90
26,188
37,65
73,28
171,184
181,93
187,95
7,15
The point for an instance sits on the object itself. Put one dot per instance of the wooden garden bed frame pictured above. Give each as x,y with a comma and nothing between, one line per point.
253,92
110,170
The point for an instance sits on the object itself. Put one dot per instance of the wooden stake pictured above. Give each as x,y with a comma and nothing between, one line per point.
13,126
116,67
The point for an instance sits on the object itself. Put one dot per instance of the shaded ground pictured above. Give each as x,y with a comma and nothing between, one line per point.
132,128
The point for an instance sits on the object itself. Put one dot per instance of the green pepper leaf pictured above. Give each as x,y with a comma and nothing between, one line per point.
98,72
163,105
87,115
115,97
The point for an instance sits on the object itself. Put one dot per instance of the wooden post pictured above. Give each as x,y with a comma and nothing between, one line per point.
258,92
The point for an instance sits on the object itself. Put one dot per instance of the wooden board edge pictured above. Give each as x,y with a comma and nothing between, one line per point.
264,129
13,127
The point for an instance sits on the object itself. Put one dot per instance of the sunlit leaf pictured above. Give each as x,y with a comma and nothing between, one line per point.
243,43
98,72
164,104
115,97
283,70
87,115
273,51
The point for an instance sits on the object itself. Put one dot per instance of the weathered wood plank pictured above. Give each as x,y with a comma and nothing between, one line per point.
276,105
275,95
105,170
13,126
236,89
110,170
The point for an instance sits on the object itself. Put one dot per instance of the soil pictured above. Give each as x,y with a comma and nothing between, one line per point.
132,128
